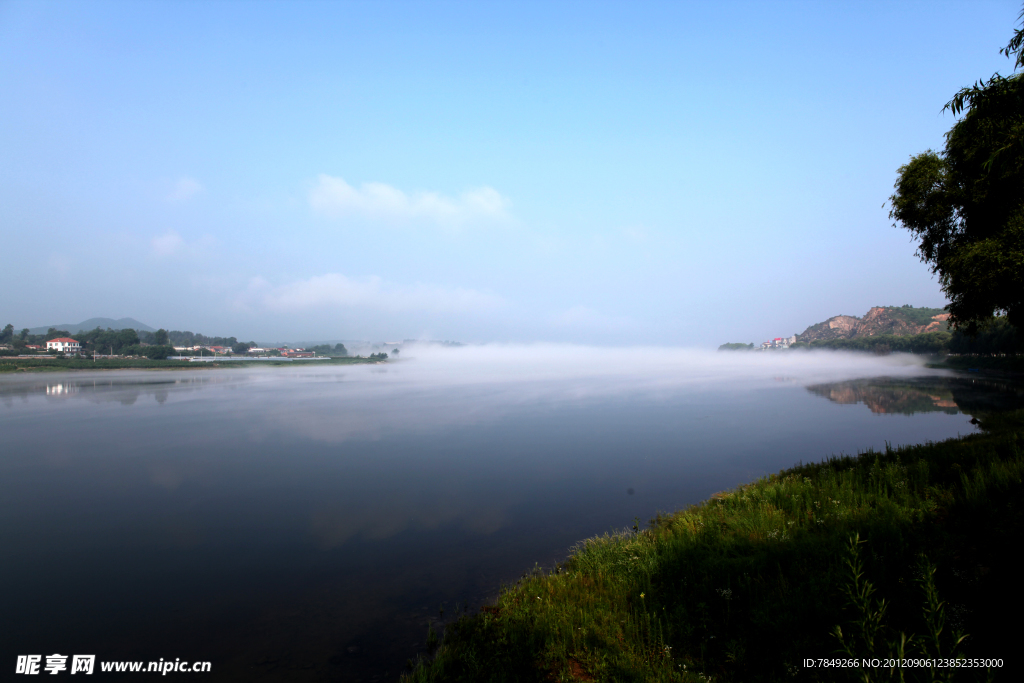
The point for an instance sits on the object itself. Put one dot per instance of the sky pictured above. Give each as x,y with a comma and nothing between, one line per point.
626,173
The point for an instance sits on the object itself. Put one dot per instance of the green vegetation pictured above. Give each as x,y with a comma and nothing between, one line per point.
965,205
746,585
338,350
736,347
186,338
242,348
914,316
929,343
994,337
998,336
126,342
45,363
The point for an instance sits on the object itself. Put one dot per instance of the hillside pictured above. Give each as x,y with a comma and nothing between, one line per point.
897,321
93,323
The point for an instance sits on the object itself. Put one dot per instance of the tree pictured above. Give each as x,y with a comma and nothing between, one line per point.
240,347
160,337
7,335
159,352
965,205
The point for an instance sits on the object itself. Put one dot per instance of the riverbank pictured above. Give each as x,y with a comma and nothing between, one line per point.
51,364
1004,366
751,583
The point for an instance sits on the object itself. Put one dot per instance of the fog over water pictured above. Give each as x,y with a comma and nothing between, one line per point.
319,515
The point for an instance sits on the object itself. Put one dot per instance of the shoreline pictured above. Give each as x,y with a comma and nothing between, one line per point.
13,365
751,583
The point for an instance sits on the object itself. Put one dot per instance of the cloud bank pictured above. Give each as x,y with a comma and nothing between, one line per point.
334,291
333,197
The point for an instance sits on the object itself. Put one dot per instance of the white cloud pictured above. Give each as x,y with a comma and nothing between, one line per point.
172,244
334,290
167,244
184,188
335,197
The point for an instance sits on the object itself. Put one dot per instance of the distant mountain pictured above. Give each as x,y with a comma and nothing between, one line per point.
93,323
895,320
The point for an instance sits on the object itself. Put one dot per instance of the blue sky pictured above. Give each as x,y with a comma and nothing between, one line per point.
612,173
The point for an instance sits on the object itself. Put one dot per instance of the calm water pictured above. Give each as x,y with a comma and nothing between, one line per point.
307,523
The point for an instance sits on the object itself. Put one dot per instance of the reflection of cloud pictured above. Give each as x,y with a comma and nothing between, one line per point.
184,188
336,198
335,290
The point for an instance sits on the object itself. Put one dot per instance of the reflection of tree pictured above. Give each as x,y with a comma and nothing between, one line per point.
986,396
933,394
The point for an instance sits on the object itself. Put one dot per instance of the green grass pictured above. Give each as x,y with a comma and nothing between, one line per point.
746,585
49,364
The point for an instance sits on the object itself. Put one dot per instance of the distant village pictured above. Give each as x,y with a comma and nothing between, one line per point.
281,352
777,343
69,346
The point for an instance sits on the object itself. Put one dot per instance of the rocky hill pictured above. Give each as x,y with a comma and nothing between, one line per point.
894,320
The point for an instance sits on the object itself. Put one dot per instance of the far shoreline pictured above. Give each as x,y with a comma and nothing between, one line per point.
14,365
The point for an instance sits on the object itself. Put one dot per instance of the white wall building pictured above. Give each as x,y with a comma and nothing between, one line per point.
64,345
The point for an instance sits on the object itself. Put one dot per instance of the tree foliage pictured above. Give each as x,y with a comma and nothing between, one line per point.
736,346
338,350
965,205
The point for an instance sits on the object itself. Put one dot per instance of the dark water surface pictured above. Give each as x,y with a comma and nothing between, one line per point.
294,524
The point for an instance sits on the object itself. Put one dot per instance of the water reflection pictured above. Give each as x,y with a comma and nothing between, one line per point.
910,395
121,387
309,522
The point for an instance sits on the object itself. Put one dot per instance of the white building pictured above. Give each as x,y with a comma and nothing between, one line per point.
64,345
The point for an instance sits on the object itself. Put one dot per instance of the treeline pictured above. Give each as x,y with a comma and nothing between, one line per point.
736,346
186,338
328,350
928,343
127,342
21,339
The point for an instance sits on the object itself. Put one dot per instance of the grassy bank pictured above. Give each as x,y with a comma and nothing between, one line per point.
50,364
747,585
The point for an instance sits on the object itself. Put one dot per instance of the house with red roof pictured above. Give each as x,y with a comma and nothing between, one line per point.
64,345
